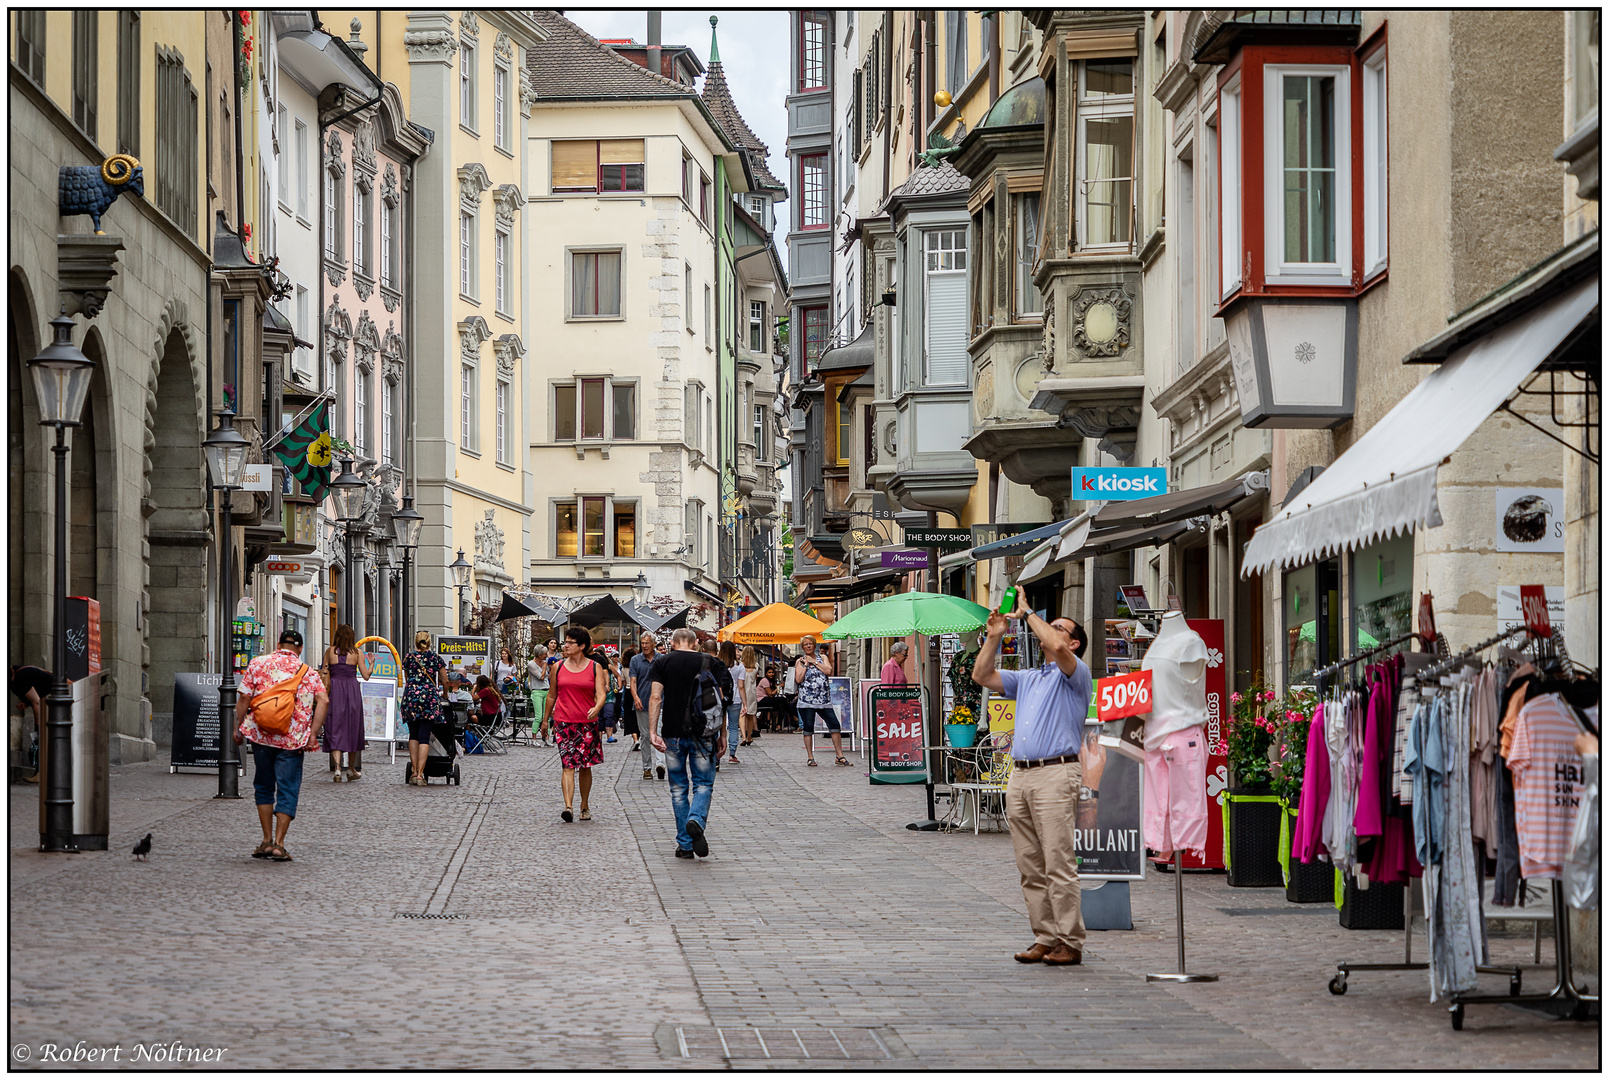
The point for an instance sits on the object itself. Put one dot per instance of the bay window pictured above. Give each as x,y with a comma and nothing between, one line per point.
812,50
1105,157
1374,164
1028,301
815,337
946,280
757,326
1229,145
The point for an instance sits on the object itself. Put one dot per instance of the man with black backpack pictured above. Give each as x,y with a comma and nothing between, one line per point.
687,722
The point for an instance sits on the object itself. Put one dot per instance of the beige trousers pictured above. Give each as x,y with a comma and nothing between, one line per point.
1042,809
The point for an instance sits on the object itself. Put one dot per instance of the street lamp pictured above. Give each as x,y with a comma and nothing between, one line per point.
61,384
407,524
348,490
460,570
226,451
640,589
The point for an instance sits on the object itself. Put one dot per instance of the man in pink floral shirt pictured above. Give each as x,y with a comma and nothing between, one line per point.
277,772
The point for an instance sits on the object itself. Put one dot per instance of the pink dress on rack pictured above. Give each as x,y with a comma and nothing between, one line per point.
1308,842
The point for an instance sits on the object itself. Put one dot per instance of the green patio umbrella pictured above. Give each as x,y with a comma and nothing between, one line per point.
909,613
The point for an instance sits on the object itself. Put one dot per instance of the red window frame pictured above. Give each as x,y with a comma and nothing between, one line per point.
820,197
807,20
603,170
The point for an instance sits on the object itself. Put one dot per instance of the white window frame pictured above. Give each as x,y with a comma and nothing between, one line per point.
301,170
466,407
1022,285
387,233
332,203
360,414
959,255
500,105
757,322
759,429
610,435
500,271
466,254
1230,276
1103,107
1280,272
466,84
360,221
610,503
282,159
387,418
1376,202
502,421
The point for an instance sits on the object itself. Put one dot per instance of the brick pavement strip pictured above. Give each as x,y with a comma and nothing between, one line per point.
580,945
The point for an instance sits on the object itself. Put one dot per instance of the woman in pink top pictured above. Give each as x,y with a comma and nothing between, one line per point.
894,670
579,687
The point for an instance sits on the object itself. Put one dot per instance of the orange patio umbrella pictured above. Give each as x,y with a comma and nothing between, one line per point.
774,624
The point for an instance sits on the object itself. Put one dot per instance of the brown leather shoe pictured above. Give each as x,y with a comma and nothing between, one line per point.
1033,954
1064,954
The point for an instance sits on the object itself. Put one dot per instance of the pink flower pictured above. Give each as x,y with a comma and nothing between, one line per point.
1235,698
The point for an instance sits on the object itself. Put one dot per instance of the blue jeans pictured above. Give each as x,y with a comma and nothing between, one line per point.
734,730
690,759
277,778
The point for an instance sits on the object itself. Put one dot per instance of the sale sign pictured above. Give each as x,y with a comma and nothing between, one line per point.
1534,609
898,743
1123,695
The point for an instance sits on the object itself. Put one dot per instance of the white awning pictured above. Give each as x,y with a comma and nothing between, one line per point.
1385,483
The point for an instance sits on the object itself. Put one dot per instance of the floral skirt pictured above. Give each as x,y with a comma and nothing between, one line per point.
580,745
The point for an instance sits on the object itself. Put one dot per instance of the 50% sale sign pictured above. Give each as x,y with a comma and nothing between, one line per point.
1124,695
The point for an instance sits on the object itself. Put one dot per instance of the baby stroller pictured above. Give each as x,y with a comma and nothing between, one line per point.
444,739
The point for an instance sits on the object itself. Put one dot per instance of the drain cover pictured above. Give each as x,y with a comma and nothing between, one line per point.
830,1044
422,915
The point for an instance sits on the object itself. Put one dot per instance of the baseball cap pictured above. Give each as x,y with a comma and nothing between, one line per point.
291,637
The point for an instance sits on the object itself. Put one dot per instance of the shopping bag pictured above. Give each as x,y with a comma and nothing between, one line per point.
1581,865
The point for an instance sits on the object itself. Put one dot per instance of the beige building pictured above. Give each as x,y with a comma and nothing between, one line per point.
622,423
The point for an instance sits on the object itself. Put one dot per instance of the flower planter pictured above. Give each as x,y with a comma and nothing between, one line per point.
1379,907
961,735
1305,883
1251,839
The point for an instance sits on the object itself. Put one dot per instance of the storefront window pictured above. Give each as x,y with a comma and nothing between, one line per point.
1312,620
1382,592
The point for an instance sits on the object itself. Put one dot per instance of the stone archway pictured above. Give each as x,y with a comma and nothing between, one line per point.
178,525
27,486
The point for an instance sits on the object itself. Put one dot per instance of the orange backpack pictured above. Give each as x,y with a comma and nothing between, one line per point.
274,709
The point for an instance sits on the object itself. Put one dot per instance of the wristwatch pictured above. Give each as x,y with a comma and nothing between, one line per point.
1089,793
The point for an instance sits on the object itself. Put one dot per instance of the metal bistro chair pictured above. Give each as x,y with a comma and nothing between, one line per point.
994,765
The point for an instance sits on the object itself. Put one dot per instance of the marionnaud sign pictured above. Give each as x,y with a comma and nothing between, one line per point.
1118,484
907,559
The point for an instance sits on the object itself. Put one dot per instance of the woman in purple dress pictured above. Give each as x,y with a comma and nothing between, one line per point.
343,730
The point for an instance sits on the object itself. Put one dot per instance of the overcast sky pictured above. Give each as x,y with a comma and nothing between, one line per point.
754,54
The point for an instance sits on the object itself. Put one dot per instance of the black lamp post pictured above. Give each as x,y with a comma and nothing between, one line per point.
407,524
348,490
640,589
226,458
460,570
61,384
382,567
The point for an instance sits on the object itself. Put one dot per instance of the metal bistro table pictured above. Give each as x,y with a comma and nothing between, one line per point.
965,770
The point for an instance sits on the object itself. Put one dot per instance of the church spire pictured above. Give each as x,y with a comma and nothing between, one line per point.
715,48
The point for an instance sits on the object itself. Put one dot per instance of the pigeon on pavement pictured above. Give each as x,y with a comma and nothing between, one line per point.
143,848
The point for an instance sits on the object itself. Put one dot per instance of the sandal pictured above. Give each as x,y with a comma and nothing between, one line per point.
567,815
811,762
586,815
263,850
841,761
354,775
278,853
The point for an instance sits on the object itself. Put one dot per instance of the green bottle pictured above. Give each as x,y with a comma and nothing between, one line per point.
1008,602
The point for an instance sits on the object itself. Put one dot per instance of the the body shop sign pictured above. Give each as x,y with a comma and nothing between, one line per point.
897,743
1117,484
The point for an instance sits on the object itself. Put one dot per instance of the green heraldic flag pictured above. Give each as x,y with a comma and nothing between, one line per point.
306,452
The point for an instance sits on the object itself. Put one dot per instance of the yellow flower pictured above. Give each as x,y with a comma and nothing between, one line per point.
318,451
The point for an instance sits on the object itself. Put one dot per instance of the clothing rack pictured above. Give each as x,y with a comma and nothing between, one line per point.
1452,663
1352,661
1345,967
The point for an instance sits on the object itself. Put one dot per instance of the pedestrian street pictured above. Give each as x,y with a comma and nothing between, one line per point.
468,927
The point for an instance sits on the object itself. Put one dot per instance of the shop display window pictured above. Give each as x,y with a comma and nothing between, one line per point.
1382,593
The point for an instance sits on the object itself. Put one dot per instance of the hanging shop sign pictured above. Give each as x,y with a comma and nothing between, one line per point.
859,539
999,530
1110,484
944,539
898,735
257,476
906,559
1530,519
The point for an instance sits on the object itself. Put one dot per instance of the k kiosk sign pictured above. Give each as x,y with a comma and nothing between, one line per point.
1118,484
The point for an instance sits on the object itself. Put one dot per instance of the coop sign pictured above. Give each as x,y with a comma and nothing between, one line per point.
1118,484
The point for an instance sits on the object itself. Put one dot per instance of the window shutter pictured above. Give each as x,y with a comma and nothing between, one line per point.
946,328
620,152
857,130
575,166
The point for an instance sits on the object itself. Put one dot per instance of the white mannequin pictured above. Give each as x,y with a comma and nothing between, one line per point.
1177,661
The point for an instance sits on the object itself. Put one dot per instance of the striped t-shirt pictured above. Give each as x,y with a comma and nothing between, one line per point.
1547,784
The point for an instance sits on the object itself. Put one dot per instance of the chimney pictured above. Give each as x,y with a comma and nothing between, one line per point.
653,43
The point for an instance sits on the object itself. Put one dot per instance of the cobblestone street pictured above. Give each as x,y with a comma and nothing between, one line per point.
819,923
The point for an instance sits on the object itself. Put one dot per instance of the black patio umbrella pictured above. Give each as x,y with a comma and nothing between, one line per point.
601,610
514,609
